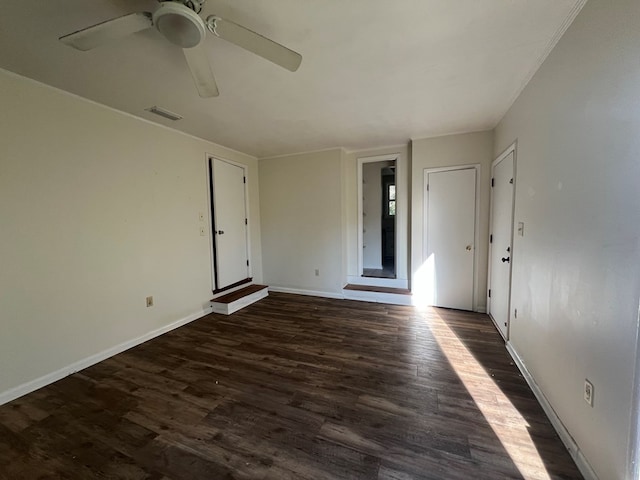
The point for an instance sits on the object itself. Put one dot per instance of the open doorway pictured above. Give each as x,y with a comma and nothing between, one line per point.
378,219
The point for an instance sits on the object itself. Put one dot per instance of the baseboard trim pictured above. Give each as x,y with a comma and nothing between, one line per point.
563,433
49,378
311,293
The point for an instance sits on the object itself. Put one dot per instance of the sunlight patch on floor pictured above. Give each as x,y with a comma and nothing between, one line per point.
503,417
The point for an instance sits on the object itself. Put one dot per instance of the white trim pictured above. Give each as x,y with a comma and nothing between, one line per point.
633,451
49,378
121,112
295,154
379,282
389,157
361,152
508,151
229,308
573,13
378,297
563,433
449,134
311,293
476,227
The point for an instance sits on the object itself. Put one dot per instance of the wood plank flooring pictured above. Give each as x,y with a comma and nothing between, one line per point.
293,387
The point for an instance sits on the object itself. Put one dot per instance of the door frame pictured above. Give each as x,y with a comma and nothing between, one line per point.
210,197
476,232
510,149
399,281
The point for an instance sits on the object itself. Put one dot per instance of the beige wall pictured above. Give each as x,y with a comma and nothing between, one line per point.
302,221
98,211
453,150
576,271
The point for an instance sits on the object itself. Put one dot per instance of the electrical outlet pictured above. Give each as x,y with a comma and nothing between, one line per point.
149,301
317,272
201,216
588,392
202,232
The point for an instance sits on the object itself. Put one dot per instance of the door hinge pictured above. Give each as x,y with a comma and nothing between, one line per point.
246,222
511,181
244,179
489,293
493,182
247,263
491,238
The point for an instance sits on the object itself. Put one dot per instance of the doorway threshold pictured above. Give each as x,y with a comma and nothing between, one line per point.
378,294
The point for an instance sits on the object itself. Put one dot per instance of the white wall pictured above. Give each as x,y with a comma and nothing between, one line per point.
576,271
302,221
452,150
98,210
372,214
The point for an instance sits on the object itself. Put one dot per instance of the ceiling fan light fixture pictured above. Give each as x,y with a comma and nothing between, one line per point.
179,24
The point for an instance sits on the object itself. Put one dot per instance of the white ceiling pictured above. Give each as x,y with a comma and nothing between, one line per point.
374,72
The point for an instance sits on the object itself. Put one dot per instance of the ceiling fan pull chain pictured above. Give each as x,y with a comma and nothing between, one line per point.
212,24
195,5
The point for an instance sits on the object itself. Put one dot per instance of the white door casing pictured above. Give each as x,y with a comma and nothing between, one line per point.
450,236
229,226
501,240
401,241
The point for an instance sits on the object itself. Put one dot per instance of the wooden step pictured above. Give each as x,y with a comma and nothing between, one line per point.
372,293
371,288
234,301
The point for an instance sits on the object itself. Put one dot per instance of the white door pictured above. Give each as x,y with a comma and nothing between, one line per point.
500,242
450,237
231,259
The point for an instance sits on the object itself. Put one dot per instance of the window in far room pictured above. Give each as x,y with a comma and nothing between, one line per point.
391,200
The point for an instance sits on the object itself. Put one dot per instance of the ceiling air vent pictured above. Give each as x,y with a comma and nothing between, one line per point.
164,113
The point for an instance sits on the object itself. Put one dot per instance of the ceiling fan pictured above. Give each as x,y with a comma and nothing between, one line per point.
180,23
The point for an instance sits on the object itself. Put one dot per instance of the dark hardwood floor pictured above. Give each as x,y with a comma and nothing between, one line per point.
293,387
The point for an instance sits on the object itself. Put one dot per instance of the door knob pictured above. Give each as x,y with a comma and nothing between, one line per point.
505,259
220,232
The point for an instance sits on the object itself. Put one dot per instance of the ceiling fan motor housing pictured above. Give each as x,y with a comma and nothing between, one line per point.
179,24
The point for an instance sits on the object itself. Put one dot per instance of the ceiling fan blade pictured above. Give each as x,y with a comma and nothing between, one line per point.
254,42
201,71
91,37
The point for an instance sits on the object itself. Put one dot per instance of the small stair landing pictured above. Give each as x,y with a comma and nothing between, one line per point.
372,293
238,299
